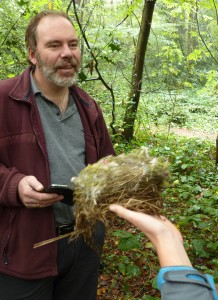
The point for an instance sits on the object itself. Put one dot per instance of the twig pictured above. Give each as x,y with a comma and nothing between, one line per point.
215,11
96,64
46,242
201,37
11,29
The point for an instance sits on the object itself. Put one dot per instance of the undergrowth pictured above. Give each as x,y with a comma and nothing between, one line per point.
190,201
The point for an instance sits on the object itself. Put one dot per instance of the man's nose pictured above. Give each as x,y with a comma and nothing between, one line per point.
66,51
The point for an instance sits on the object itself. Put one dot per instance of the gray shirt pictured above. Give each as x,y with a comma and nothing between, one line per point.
65,145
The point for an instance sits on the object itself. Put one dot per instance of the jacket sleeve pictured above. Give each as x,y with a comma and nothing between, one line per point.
179,283
9,179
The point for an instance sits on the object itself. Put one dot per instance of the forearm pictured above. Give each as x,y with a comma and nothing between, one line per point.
171,251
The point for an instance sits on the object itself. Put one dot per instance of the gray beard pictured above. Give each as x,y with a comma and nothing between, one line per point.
51,75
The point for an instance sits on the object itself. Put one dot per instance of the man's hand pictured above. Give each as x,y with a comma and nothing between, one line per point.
30,192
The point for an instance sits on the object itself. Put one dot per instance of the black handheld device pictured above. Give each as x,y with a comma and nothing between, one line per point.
61,189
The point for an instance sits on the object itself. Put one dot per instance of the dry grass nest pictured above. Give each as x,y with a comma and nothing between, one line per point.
134,180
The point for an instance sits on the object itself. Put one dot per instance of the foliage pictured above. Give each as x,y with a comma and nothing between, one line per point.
181,54
190,201
179,89
192,109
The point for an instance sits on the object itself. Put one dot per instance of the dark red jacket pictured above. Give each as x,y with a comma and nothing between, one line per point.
23,152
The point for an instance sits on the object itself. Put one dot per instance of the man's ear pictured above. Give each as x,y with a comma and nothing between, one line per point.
32,56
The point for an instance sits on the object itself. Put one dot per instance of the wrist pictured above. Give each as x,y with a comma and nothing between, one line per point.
171,251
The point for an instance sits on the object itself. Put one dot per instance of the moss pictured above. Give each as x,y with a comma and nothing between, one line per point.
134,180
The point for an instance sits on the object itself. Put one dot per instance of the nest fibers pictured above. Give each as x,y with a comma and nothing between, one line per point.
134,180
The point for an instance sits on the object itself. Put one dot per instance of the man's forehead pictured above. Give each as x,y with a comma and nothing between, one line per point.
51,27
54,18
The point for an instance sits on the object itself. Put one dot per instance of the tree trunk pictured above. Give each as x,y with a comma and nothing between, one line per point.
137,72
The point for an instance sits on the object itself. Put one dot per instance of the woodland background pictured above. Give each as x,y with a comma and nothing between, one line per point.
152,67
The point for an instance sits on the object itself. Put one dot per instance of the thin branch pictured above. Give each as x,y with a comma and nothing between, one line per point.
201,37
121,22
209,34
12,27
215,11
89,18
96,64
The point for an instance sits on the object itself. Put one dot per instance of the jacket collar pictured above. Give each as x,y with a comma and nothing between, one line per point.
22,89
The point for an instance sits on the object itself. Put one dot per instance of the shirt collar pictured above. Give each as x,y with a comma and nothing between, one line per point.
34,87
36,90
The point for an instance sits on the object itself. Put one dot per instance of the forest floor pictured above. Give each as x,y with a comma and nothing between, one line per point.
113,285
194,133
190,133
114,281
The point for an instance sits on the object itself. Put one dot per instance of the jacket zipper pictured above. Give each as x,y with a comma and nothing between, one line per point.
5,257
8,234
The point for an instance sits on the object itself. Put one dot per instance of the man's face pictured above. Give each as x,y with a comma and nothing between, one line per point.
57,55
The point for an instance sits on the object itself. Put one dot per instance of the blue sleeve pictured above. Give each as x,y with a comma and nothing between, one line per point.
179,283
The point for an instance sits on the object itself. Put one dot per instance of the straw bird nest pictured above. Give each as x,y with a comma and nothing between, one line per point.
134,180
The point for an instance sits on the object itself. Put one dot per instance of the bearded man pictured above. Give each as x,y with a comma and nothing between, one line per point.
50,130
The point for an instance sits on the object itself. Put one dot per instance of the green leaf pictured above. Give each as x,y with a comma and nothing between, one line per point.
154,283
122,234
199,248
22,2
129,243
114,46
11,75
133,270
207,194
129,269
216,275
82,76
213,246
122,268
184,166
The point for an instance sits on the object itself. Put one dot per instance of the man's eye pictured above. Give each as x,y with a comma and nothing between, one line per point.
73,45
54,46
